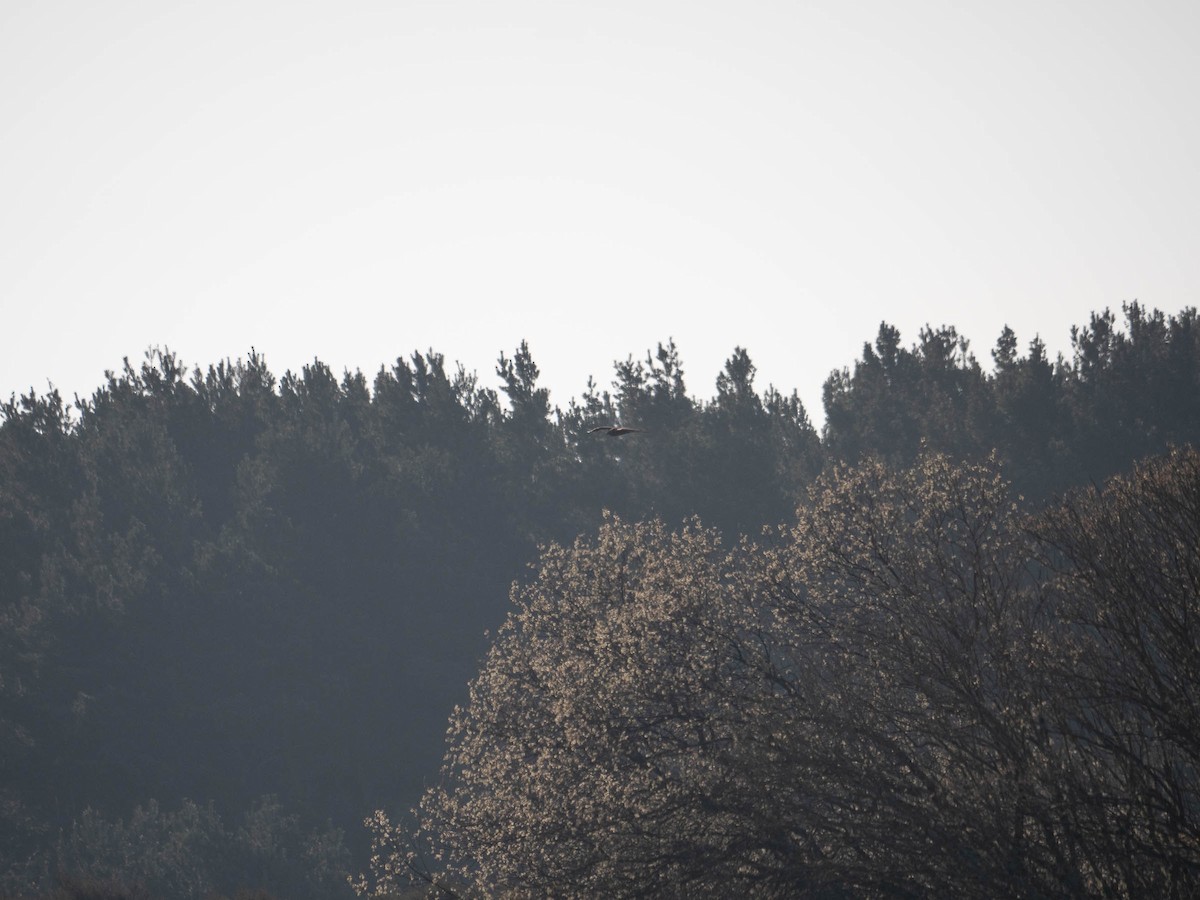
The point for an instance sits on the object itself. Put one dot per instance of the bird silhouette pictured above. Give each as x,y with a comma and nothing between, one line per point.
614,430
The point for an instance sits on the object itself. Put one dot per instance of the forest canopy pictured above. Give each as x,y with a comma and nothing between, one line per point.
232,597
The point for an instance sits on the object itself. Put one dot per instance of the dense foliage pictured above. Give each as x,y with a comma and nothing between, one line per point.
889,699
219,584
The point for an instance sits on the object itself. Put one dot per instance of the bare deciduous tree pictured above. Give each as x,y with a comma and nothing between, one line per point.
1127,710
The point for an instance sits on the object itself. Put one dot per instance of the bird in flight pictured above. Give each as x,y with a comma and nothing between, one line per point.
614,430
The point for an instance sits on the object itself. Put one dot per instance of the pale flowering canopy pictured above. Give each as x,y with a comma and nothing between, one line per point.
887,697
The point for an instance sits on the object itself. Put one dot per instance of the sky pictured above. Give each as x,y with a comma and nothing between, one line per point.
355,181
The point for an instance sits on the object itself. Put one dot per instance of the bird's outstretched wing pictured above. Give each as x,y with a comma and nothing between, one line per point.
614,430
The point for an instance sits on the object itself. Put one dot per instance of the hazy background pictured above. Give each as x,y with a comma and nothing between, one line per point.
354,181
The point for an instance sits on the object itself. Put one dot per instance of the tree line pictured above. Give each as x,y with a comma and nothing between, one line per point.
222,590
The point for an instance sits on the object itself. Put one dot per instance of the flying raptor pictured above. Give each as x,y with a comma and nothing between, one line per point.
614,430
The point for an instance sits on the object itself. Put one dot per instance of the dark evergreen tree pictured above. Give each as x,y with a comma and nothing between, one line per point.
1133,393
1032,426
898,400
745,490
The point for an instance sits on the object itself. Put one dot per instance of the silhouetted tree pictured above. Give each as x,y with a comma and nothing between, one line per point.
1125,715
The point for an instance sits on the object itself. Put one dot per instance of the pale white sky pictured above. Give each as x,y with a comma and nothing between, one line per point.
353,181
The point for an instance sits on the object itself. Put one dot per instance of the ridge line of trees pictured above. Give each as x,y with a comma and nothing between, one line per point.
209,578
